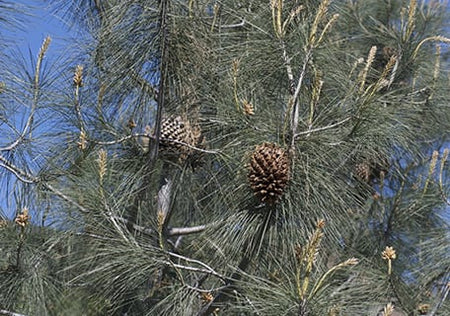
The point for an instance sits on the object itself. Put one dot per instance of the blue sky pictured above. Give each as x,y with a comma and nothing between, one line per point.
37,26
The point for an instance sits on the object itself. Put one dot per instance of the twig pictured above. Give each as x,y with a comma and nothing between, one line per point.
142,229
176,231
92,236
121,140
163,201
29,123
8,313
319,129
231,26
119,229
204,265
295,111
65,198
287,63
21,175
30,179
205,291
193,269
136,135
443,298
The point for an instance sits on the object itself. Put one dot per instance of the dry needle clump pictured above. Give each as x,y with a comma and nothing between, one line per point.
269,172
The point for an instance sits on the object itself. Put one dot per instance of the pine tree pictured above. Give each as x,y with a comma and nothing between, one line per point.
229,158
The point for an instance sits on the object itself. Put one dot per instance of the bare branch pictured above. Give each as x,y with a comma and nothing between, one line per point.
205,291
30,179
193,269
442,300
231,26
121,140
323,128
163,201
145,85
142,229
36,88
19,173
175,231
287,63
65,198
136,135
295,110
8,313
93,236
204,265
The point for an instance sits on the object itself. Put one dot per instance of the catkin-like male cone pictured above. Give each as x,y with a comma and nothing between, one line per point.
269,172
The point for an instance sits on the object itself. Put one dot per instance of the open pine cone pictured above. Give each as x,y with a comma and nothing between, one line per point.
372,169
177,134
174,130
269,172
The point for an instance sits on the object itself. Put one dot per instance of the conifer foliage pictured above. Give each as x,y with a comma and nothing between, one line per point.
254,157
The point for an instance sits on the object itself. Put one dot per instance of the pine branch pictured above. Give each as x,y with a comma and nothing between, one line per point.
36,89
204,265
163,77
248,254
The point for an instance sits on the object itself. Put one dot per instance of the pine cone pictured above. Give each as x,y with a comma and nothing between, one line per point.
362,172
269,172
173,131
372,169
177,134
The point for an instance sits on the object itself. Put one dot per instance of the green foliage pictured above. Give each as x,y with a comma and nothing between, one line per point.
130,219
